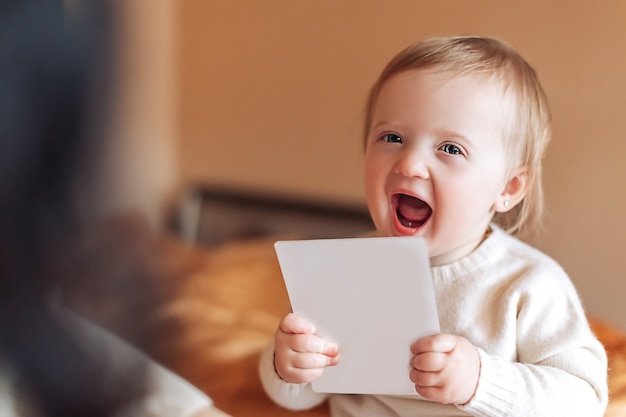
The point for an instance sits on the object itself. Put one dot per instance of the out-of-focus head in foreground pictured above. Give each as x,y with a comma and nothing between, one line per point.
55,79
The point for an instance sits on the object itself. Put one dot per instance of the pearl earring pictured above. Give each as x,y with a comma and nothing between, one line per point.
506,203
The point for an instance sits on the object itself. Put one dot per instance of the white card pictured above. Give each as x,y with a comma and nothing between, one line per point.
373,297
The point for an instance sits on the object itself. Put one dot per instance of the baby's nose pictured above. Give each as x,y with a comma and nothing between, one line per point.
412,164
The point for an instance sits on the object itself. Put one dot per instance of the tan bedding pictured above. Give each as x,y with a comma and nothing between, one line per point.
221,306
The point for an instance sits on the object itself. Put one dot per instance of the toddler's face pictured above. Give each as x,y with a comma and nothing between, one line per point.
435,162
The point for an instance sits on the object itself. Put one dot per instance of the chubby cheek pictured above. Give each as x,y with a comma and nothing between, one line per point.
451,226
377,203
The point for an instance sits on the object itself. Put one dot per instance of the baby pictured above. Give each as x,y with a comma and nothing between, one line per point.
455,132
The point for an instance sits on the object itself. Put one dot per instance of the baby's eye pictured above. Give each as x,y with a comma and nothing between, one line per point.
392,138
450,148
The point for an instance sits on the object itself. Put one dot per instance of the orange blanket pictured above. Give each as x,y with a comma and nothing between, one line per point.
220,307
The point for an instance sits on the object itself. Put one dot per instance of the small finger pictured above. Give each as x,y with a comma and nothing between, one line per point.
433,393
306,343
294,324
299,376
434,343
424,379
312,361
429,361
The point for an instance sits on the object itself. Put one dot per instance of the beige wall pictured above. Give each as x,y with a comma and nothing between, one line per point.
140,169
271,98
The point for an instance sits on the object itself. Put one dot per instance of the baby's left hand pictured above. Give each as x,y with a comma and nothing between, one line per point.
445,368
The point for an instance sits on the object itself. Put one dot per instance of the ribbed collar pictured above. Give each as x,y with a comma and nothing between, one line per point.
482,257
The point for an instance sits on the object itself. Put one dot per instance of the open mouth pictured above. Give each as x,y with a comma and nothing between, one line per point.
411,212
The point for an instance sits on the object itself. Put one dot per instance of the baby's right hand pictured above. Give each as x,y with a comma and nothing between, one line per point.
299,354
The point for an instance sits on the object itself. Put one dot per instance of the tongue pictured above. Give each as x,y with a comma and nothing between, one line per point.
413,210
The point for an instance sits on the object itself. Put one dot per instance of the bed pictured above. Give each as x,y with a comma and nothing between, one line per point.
219,305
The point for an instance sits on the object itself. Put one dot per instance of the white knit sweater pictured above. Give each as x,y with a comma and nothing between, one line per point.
517,305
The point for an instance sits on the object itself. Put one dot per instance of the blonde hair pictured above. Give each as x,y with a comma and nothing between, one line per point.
529,132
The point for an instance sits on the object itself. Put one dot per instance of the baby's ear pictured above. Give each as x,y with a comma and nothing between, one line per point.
514,190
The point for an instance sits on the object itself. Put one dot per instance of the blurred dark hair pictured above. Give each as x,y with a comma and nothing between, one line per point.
55,78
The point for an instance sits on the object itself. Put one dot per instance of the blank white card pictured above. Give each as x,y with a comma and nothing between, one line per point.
373,297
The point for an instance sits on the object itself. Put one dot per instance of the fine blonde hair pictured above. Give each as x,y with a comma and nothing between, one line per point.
529,131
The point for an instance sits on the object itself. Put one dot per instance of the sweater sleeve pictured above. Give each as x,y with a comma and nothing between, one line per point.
561,368
285,394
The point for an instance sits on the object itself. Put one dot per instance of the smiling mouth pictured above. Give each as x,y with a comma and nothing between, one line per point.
411,212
